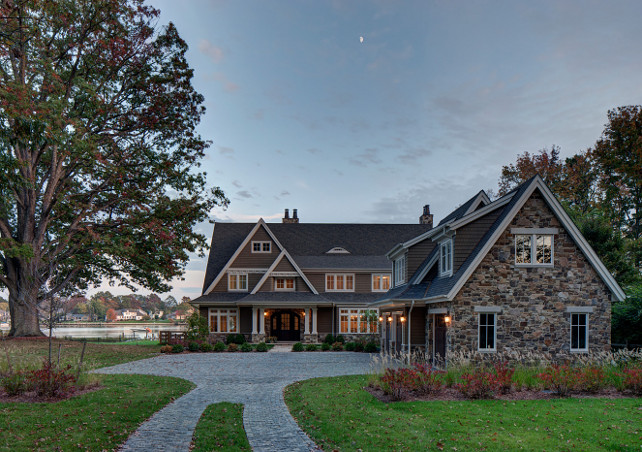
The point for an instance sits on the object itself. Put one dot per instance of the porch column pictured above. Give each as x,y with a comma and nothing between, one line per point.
262,321
307,321
314,320
254,330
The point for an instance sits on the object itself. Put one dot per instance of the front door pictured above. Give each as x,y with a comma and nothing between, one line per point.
285,326
439,337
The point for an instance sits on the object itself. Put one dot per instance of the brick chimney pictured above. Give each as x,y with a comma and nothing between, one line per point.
426,218
287,219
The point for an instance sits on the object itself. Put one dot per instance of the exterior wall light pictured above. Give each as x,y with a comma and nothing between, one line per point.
403,319
265,314
390,319
447,319
380,319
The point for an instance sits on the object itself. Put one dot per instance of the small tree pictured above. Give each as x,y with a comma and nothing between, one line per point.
197,328
111,315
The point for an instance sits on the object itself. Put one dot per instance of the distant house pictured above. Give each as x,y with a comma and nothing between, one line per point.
130,314
77,317
512,275
177,316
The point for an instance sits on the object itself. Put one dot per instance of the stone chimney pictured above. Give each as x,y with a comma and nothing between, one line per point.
287,219
426,218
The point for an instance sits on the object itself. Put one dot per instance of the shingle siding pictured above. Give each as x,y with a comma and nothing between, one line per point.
469,236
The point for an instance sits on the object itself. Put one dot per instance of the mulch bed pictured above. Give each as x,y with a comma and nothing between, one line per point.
32,397
452,394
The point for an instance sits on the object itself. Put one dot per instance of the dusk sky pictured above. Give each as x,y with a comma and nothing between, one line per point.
426,110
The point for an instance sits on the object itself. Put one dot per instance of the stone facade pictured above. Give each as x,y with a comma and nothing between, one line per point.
533,300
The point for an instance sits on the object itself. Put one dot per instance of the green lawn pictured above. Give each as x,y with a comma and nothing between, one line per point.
100,420
221,428
31,353
338,414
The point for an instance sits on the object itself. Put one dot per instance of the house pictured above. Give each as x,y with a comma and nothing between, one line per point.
178,316
512,275
298,281
130,314
77,317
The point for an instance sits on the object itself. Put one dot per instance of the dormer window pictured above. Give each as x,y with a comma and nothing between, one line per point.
446,258
261,247
284,284
400,270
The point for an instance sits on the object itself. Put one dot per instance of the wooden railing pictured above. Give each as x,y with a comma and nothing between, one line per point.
171,338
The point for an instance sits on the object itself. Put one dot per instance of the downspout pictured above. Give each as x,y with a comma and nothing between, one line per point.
412,305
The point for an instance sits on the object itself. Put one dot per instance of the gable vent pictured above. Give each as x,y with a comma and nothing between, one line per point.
337,250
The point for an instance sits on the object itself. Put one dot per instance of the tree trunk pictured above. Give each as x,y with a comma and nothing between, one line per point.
24,314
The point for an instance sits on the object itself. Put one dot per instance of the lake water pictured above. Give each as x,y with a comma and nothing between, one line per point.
129,331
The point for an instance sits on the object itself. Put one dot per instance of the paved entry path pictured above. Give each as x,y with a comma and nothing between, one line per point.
253,379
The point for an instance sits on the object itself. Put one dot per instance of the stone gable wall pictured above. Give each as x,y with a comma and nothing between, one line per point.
533,300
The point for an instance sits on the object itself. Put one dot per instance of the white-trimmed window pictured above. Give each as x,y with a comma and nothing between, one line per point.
358,321
380,282
579,332
487,333
261,247
534,249
223,320
284,284
237,282
339,282
399,267
446,258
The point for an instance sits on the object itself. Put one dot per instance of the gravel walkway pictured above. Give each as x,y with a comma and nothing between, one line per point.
253,379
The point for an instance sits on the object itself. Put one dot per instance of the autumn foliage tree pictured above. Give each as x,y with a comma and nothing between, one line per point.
98,151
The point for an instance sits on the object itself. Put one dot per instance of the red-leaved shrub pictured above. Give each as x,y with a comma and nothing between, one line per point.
421,378
562,379
504,376
51,382
591,379
632,380
479,384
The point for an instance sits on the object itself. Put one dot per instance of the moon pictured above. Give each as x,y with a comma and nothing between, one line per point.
361,39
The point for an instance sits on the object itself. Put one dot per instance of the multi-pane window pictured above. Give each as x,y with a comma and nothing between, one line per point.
400,270
446,258
487,331
284,284
339,282
358,321
223,320
380,283
237,282
579,332
534,249
261,247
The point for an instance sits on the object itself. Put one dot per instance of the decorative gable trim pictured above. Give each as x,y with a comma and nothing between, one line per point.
480,199
566,221
234,256
476,214
247,240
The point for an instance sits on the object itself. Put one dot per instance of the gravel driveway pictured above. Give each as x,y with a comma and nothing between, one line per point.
253,379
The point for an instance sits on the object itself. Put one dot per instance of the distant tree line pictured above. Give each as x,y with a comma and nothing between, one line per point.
601,189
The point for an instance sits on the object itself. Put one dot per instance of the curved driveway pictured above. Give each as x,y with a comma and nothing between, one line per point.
253,379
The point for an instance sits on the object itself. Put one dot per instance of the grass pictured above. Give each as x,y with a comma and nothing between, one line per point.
30,353
368,424
221,428
100,420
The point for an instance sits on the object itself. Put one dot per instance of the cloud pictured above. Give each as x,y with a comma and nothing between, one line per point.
226,151
412,155
368,157
228,85
214,52
282,195
237,184
244,194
